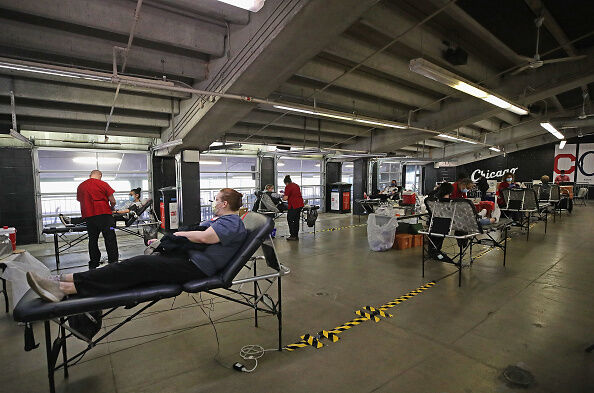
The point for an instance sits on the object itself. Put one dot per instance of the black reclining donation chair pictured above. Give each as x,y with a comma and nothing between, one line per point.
457,219
519,205
32,309
132,225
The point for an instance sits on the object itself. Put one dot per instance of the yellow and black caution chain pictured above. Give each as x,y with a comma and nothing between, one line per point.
367,313
341,228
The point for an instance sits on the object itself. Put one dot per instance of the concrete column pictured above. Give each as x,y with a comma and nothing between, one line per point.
359,182
267,172
333,175
187,174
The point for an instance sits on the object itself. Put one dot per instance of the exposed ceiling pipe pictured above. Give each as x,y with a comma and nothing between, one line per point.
125,50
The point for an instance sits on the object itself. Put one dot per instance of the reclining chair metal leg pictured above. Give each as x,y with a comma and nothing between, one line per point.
255,298
51,363
460,266
64,353
5,293
504,245
279,315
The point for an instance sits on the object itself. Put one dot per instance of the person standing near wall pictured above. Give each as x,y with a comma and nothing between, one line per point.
295,205
483,187
96,204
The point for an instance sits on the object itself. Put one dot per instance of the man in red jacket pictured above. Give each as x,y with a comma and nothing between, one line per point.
295,205
96,204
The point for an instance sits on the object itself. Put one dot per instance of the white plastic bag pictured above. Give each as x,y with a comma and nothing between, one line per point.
381,231
17,266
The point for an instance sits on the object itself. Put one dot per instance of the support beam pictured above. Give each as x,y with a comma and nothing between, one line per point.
79,48
259,118
68,113
356,51
275,131
73,94
295,36
326,71
348,101
392,22
209,8
87,128
113,16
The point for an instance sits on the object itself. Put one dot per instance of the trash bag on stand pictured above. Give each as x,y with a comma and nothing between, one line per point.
381,231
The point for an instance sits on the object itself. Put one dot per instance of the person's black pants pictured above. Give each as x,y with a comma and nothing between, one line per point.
103,224
293,216
135,271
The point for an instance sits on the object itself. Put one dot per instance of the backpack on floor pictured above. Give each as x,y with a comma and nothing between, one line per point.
87,324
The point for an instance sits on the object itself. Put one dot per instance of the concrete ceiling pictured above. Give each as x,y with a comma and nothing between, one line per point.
345,55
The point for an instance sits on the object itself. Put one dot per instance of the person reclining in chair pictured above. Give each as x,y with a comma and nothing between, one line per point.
133,205
224,236
269,201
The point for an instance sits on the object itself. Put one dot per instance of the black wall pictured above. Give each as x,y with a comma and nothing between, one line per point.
531,163
433,175
359,183
333,175
17,198
266,172
163,176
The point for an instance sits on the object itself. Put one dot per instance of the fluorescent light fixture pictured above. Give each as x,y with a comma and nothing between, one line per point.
166,145
379,123
334,116
441,75
289,108
93,160
562,144
19,136
549,127
250,5
498,150
209,162
49,71
457,139
280,164
469,89
340,116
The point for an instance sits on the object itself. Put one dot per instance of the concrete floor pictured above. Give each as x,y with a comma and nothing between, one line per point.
536,312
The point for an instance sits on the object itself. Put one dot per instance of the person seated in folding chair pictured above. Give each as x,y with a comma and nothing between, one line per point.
134,204
269,201
507,181
444,193
222,238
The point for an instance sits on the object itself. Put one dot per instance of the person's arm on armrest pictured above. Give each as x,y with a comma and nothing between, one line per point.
209,236
112,200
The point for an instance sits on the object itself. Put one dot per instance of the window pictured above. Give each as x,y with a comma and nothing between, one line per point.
220,171
307,173
62,170
413,178
387,172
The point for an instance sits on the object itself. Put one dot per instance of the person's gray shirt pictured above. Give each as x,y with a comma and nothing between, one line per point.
231,233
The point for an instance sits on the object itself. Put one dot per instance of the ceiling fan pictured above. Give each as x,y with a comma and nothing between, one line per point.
536,62
583,115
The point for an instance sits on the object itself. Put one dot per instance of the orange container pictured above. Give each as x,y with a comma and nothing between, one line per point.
403,241
417,240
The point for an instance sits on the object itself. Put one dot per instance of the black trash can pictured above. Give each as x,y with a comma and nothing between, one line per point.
169,209
339,196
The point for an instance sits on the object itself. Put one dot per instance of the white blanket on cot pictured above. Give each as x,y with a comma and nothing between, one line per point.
17,266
